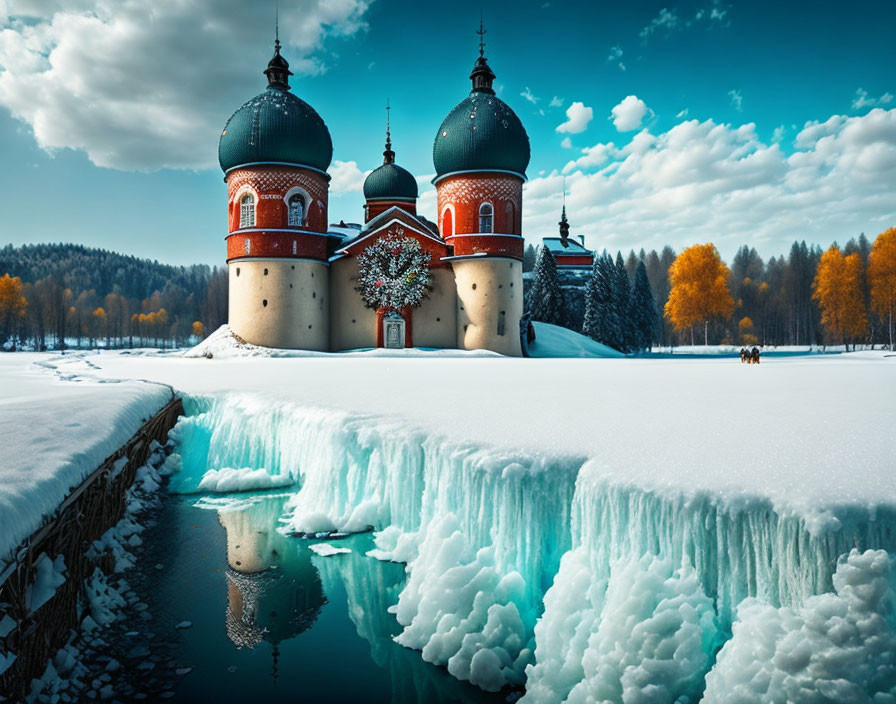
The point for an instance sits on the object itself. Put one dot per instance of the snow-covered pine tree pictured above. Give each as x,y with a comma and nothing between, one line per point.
622,293
643,311
545,296
593,304
601,318
529,257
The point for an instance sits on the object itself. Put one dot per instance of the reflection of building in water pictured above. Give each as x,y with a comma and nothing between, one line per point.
273,589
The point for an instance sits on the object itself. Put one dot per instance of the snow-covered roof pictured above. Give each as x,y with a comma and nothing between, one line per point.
573,247
344,230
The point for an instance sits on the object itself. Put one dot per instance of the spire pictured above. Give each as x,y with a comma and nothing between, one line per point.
482,76
564,223
481,34
388,154
278,72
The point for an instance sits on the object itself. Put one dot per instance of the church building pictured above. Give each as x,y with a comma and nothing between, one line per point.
398,280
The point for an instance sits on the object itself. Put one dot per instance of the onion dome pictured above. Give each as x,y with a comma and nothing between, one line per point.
390,181
276,127
482,133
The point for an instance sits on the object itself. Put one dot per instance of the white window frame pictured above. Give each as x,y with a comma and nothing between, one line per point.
306,199
247,203
486,226
290,220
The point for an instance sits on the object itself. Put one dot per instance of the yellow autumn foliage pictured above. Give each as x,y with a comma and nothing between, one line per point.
838,290
699,280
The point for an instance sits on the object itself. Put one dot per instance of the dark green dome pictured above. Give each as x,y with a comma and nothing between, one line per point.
481,134
275,126
390,182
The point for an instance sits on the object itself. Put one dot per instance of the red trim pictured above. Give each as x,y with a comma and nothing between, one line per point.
495,245
276,245
574,259
405,313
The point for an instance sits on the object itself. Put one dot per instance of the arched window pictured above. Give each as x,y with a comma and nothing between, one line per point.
486,215
447,223
296,210
247,210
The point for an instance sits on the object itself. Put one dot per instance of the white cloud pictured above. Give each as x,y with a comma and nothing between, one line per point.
578,118
345,177
629,113
666,21
528,95
615,57
863,101
778,134
147,85
566,143
703,181
737,100
682,113
556,102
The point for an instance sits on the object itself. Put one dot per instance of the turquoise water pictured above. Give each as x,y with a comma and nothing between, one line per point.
272,621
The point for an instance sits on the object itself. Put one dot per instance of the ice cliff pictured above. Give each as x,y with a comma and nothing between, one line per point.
549,572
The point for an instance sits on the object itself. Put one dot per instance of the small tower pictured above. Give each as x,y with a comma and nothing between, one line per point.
480,154
274,152
389,185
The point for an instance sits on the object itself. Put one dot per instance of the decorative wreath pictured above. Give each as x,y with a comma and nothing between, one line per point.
394,273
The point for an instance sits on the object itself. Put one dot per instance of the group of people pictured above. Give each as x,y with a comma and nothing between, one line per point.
749,356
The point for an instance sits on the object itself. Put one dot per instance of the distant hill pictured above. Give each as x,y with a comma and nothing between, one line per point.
82,268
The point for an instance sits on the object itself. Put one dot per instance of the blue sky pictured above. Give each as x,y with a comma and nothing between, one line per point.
736,123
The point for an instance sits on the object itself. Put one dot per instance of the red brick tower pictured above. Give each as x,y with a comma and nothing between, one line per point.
480,154
274,152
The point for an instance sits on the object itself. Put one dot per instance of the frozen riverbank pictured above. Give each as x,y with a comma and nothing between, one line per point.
535,501
56,429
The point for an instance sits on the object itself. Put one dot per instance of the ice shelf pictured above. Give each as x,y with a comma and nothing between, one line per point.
549,571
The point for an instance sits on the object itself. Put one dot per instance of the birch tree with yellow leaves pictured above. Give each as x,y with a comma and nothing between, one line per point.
838,290
699,280
882,277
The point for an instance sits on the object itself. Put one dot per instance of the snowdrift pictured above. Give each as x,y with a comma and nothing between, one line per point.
551,341
224,344
547,571
556,341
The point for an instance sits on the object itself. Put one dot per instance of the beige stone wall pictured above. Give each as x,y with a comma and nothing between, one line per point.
434,323
486,288
351,324
280,303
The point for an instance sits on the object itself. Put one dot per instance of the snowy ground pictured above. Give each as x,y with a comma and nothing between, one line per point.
631,508
56,429
799,430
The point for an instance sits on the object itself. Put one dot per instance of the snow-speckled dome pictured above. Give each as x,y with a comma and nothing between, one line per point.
275,126
482,133
390,182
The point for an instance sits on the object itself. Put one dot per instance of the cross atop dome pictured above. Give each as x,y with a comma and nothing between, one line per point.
278,72
388,154
482,76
